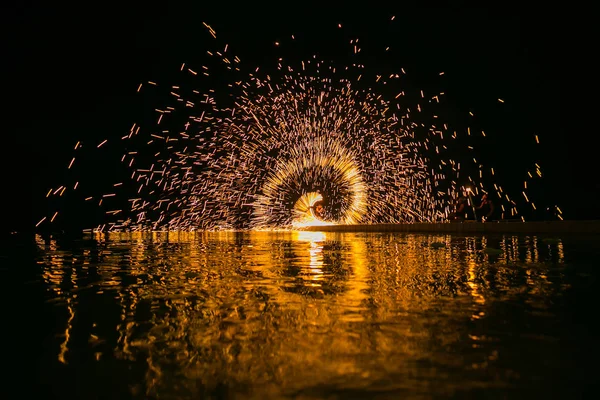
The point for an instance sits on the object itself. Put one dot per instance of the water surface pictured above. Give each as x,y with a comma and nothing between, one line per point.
310,315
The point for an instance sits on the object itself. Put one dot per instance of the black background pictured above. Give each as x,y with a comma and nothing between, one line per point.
72,72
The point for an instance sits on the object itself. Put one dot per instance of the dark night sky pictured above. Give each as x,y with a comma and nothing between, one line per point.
73,72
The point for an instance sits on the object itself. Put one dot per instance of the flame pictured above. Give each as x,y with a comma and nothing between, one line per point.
304,212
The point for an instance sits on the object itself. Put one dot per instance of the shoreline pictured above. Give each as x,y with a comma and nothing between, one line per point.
590,227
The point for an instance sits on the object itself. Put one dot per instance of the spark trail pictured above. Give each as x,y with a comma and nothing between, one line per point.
282,143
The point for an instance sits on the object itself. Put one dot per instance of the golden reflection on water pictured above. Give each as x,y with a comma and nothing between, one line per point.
285,313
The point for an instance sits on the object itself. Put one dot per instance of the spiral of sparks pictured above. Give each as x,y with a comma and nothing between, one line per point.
321,164
304,135
281,144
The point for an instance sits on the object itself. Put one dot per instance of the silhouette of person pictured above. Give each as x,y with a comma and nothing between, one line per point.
319,209
460,209
486,208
